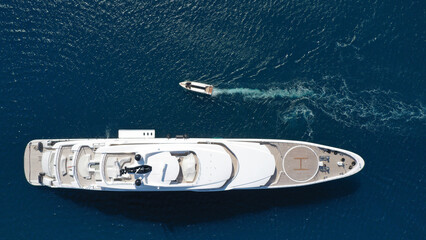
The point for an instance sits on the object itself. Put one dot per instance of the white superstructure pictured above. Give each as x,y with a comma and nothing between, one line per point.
137,161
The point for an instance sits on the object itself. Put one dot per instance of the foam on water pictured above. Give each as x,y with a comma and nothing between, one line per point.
269,93
374,110
297,115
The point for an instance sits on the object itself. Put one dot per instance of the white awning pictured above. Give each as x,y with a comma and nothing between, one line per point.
165,168
256,165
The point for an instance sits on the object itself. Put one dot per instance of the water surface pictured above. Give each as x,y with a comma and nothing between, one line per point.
348,74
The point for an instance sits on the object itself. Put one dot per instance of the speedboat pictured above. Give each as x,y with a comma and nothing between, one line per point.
197,87
138,161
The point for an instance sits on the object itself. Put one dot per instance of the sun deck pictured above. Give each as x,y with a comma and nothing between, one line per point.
65,160
114,163
87,167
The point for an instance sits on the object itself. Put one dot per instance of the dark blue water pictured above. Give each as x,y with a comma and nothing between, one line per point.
349,74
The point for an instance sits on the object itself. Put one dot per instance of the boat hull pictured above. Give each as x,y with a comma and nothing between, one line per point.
217,164
197,87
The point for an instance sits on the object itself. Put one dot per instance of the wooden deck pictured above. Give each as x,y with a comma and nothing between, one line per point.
299,164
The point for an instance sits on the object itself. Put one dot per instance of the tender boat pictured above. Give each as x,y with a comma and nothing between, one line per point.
197,87
137,161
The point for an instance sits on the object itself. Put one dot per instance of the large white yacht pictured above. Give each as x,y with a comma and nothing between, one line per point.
137,161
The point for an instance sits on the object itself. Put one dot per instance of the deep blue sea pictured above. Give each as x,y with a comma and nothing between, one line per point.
349,74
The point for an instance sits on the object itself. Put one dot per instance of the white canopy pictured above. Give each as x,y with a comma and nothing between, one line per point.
165,168
256,165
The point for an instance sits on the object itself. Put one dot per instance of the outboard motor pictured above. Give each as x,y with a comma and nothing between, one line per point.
142,169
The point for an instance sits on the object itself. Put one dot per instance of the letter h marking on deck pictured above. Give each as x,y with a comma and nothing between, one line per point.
300,159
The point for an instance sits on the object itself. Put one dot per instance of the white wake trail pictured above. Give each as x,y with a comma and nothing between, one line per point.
264,94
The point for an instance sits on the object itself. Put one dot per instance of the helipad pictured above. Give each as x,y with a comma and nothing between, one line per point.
300,163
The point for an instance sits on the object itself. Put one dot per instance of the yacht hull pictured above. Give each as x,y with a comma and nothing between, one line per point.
184,164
